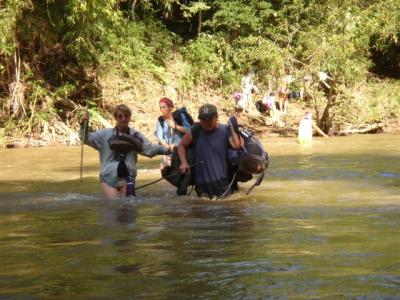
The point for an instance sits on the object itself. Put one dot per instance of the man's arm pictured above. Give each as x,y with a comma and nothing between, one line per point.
92,139
150,149
319,130
183,145
174,125
235,140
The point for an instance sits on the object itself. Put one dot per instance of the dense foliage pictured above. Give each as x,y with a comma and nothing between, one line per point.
52,52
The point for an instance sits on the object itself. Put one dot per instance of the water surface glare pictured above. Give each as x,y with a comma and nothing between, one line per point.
323,225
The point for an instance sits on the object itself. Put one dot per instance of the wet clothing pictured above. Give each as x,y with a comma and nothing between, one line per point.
211,176
109,160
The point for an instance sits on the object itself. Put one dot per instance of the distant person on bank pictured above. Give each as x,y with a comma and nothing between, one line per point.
306,127
247,84
118,148
284,90
168,131
211,141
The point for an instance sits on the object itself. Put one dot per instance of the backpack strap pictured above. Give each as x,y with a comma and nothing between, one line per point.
117,132
195,131
161,120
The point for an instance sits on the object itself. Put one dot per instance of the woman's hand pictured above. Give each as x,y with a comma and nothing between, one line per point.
171,148
171,123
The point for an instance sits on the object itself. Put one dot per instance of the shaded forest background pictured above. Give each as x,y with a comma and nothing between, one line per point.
57,57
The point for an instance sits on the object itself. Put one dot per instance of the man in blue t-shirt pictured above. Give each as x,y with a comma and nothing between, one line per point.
211,141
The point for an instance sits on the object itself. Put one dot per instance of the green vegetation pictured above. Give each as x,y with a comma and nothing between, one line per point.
54,55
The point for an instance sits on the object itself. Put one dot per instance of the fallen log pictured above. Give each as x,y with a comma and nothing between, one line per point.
372,128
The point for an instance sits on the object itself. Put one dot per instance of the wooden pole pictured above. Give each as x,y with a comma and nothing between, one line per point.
85,125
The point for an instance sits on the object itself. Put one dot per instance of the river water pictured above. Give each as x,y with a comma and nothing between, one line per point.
324,224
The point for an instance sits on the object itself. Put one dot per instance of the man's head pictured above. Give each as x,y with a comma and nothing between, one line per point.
308,115
122,115
208,116
251,73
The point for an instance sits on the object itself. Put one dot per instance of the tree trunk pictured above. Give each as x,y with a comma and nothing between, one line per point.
199,23
325,123
132,13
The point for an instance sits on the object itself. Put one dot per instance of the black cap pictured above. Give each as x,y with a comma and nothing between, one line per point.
207,111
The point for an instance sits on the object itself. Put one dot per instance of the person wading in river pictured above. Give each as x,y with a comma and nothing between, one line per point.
211,141
169,131
118,148
305,130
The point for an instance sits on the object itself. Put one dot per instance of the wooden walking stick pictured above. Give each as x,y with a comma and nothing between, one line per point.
85,126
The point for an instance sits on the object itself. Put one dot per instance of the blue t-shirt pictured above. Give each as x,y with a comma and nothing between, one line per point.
211,176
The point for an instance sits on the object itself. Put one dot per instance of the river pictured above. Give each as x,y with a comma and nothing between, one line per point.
324,224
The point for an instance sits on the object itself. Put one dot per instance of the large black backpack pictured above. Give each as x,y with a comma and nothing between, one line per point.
173,175
253,157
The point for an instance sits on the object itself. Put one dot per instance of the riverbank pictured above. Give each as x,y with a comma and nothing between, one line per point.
264,127
369,108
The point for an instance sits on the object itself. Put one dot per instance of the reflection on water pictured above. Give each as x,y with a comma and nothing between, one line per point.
324,224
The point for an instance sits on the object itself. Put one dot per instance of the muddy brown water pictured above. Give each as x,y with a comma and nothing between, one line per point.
324,224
